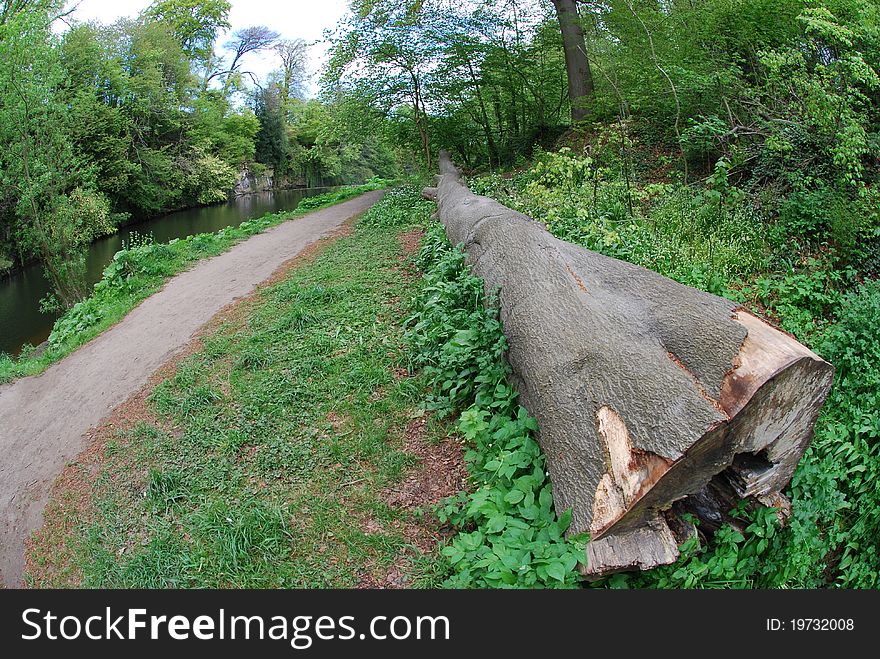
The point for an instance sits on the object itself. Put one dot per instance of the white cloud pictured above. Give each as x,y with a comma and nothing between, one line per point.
293,19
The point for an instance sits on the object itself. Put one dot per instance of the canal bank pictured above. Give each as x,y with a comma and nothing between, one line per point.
22,322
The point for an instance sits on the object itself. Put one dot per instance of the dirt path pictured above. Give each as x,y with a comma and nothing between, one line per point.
43,418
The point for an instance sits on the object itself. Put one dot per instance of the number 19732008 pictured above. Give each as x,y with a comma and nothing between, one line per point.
810,625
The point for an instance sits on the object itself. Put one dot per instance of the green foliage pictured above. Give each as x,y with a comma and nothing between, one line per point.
737,558
228,134
848,440
804,299
810,215
47,201
784,90
327,198
272,146
706,238
164,489
193,23
479,79
317,141
101,122
703,137
397,208
508,534
831,83
210,178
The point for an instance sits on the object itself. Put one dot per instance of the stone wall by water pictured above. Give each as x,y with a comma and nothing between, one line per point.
249,183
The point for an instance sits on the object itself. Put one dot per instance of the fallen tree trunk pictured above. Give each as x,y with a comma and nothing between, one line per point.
646,391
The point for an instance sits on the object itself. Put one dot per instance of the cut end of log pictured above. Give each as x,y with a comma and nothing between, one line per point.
771,396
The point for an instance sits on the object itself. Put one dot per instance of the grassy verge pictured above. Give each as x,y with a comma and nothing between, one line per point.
139,271
273,455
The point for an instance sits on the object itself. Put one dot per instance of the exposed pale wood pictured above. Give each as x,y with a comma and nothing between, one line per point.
641,548
644,389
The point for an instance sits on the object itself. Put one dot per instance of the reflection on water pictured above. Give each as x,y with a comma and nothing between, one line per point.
20,319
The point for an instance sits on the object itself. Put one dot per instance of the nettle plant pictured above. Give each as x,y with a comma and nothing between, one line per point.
508,533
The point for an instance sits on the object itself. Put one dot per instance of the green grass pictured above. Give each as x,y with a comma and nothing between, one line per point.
272,446
139,271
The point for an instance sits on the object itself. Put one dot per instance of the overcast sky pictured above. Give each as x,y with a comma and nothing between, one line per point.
293,19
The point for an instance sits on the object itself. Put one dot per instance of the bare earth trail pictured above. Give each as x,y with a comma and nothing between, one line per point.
43,419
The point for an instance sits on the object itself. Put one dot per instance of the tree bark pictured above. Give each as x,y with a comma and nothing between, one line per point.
421,119
646,391
487,127
577,65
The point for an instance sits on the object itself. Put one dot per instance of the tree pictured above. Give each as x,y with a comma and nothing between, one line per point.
56,211
194,23
250,40
246,40
498,72
388,52
93,87
219,130
486,75
577,64
272,140
102,122
294,60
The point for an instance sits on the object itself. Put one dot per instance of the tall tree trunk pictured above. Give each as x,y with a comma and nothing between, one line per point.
421,119
580,77
209,67
503,132
487,126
